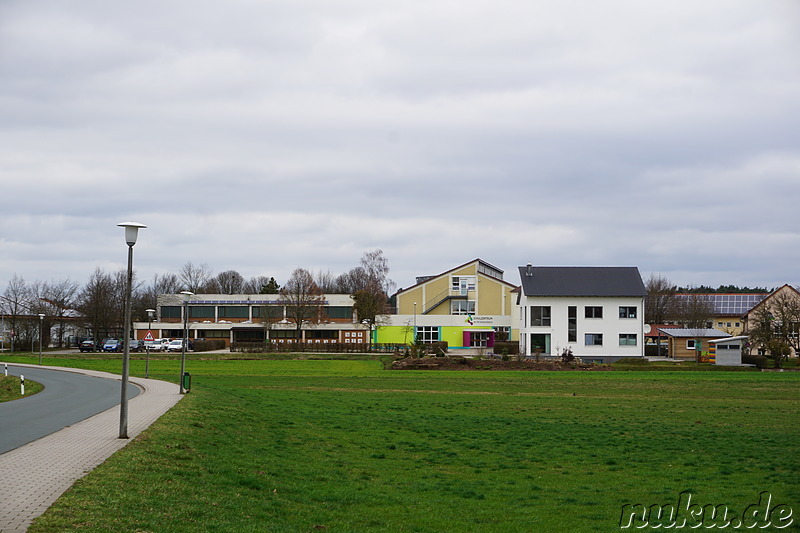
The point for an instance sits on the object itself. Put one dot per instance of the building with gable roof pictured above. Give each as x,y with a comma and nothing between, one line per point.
470,307
597,312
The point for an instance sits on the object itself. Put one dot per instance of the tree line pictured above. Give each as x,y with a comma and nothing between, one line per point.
99,304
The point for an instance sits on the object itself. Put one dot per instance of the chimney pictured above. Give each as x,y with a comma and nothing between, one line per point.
529,271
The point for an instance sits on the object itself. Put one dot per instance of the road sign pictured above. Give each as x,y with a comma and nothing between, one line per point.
149,336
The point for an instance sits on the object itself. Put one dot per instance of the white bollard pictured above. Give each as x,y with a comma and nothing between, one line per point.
22,384
5,368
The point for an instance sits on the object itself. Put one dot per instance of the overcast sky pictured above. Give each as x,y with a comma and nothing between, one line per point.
262,136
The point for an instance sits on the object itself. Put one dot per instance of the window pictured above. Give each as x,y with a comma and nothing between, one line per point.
462,284
283,334
502,333
214,334
540,342
572,323
272,311
428,333
170,311
593,311
338,312
690,344
201,311
627,312
593,339
540,315
233,311
322,334
627,339
462,307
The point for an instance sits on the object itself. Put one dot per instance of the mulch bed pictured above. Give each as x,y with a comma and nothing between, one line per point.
464,363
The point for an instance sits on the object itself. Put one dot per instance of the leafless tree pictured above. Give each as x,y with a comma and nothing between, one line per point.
195,278
660,301
325,281
303,299
694,312
227,282
261,285
371,300
15,306
60,299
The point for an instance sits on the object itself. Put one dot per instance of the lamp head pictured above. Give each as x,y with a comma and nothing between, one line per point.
131,231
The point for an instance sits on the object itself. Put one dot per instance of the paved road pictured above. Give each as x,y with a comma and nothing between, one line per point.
67,398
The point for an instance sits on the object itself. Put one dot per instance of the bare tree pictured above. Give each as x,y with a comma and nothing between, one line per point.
195,278
785,308
325,281
15,304
227,282
60,297
261,285
96,302
351,281
371,300
694,312
161,284
660,300
303,299
376,269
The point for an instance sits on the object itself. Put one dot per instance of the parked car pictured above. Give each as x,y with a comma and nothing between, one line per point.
157,345
135,345
112,345
177,346
87,346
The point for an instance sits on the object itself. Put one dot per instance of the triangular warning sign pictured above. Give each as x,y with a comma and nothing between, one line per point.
149,336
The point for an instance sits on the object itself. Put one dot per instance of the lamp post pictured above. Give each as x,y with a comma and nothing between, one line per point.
147,346
415,322
187,295
131,232
41,321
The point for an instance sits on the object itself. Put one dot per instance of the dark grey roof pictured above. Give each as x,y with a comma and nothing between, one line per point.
581,281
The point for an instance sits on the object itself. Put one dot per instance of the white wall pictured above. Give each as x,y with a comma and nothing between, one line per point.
610,326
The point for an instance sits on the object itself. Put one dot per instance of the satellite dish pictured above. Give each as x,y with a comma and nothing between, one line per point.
647,329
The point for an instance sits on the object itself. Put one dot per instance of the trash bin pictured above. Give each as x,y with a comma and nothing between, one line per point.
187,381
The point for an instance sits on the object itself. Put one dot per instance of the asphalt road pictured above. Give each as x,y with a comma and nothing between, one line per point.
67,398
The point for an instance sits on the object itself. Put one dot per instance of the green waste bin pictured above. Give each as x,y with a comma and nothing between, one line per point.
187,381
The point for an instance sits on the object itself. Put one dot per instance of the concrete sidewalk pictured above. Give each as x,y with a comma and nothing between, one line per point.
36,474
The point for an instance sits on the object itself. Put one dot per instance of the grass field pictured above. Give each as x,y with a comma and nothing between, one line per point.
348,446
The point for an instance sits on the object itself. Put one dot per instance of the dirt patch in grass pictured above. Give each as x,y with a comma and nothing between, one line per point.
463,363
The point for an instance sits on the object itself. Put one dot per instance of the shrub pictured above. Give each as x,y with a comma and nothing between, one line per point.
208,345
506,348
759,360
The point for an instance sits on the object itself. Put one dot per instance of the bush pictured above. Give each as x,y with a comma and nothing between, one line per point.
506,348
759,360
208,345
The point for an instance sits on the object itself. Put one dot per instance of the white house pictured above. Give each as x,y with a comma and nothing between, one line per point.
597,312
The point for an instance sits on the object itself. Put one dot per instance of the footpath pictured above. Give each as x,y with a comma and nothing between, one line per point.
36,474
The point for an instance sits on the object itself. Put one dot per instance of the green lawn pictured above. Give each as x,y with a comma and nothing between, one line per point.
10,388
348,446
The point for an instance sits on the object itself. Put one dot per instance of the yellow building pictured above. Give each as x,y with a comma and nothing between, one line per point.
469,306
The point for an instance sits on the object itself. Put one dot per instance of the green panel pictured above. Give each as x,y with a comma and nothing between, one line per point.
394,335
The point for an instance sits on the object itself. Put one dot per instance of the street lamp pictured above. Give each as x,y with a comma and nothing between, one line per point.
41,321
187,295
131,232
415,322
147,346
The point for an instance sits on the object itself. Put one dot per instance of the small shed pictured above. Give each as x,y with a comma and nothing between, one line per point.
690,343
727,351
